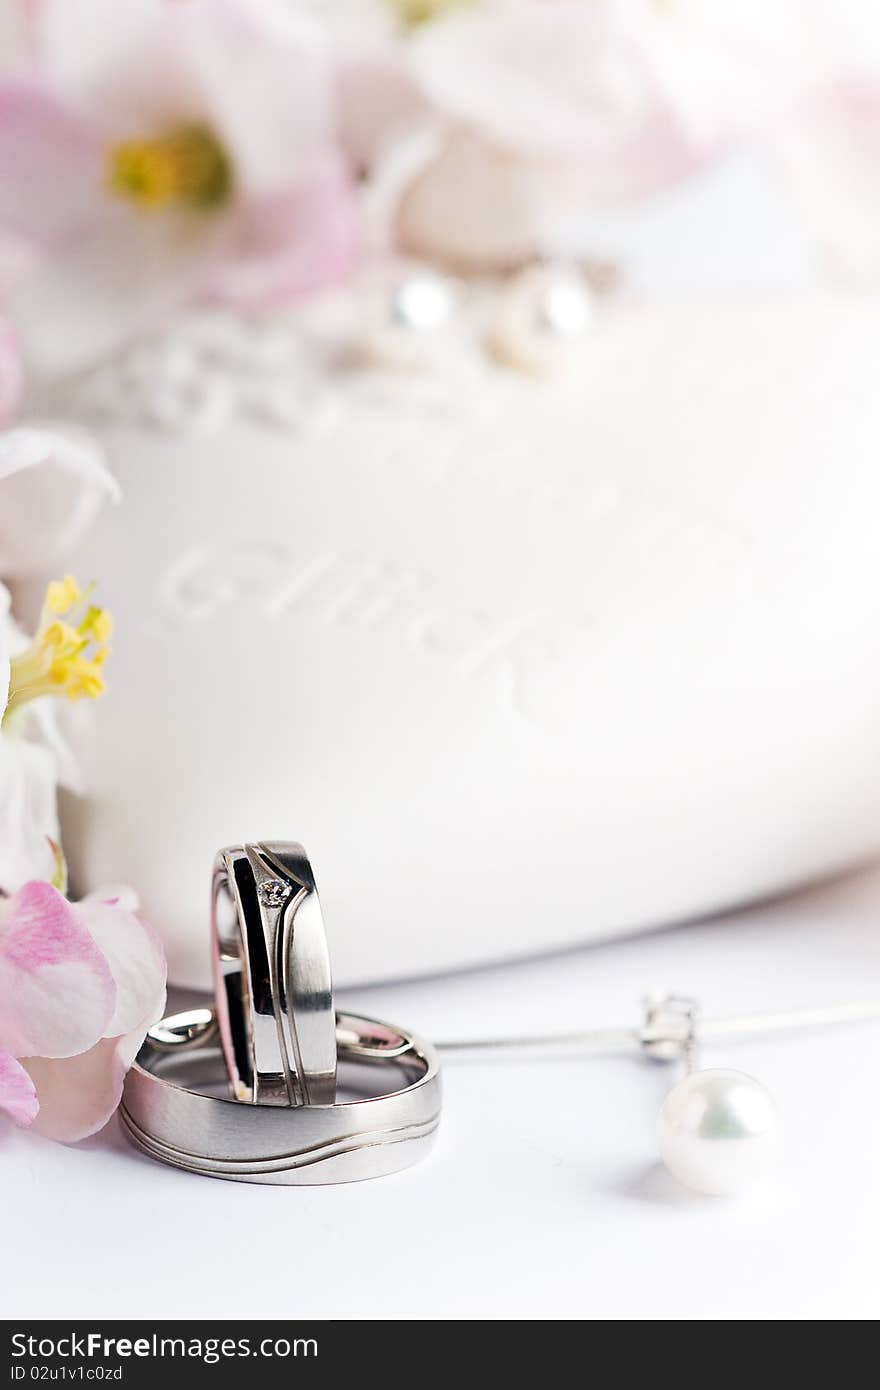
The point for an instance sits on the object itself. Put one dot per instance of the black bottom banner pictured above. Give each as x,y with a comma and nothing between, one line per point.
266,1354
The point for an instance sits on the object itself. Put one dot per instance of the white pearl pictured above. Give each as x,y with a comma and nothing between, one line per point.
718,1131
406,318
422,303
565,307
542,317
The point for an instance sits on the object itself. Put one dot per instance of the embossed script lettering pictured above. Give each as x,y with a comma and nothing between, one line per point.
338,591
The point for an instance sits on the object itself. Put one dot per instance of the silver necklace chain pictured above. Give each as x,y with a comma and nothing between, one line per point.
670,1023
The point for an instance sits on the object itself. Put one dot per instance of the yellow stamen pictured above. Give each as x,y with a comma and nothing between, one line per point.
62,594
412,13
67,654
99,624
187,167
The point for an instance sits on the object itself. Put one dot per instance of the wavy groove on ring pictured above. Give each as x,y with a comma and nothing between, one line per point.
167,1113
297,1159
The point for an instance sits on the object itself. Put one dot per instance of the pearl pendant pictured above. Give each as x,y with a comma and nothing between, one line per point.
718,1131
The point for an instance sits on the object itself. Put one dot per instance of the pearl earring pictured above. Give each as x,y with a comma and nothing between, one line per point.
718,1128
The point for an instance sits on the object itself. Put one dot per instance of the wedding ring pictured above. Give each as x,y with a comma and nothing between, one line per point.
390,1123
272,973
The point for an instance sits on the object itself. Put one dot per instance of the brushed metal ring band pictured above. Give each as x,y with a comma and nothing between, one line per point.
219,1137
272,975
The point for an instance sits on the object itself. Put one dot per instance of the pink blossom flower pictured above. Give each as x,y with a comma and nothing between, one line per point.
496,125
155,151
536,112
80,983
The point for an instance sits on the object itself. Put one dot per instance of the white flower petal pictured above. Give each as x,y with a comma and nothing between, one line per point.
121,894
52,483
28,815
54,725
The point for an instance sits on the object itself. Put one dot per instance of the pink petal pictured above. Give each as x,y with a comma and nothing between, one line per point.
556,78
134,953
79,1094
18,1096
14,32
739,68
378,102
90,53
601,85
84,38
57,994
289,245
258,74
123,69
10,372
50,167
267,85
18,256
28,817
52,484
126,275
830,156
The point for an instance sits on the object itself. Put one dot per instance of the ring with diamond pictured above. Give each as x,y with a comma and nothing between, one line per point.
275,1012
171,1111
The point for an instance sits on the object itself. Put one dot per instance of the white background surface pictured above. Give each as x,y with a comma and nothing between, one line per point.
543,1197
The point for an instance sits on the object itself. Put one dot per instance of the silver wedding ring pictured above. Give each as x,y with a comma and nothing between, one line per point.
393,1079
272,976
271,1085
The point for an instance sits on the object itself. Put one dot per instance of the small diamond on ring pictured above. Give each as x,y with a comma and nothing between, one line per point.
272,892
